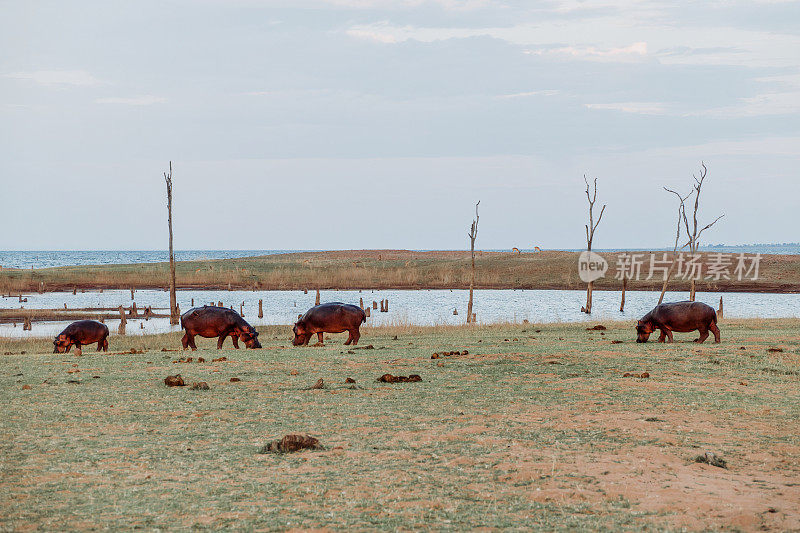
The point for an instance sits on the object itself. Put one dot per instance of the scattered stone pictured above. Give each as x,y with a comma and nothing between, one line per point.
349,380
437,355
775,350
74,381
598,327
174,381
234,380
201,360
652,419
320,384
184,360
200,386
292,443
388,378
743,383
712,459
367,347
616,342
26,387
218,359
537,331
95,377
640,375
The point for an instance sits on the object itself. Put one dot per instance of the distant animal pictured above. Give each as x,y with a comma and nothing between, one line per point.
515,249
681,317
80,334
211,321
334,317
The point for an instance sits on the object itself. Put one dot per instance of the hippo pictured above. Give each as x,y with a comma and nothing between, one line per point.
334,317
211,321
80,334
678,316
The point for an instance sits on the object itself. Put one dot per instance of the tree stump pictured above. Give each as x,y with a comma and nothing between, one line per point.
133,291
317,300
261,309
361,303
122,321
720,310
134,311
366,311
241,309
374,304
192,302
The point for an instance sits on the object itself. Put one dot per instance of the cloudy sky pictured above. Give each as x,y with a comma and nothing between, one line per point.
325,124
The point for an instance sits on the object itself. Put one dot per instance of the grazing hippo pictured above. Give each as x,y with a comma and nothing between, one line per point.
80,334
334,317
678,316
211,321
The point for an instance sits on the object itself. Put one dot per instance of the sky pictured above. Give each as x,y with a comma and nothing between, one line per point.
350,124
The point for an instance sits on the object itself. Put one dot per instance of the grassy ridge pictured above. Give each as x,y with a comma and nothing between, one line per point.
377,269
535,427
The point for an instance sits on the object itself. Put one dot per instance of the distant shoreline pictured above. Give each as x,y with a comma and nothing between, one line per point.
378,269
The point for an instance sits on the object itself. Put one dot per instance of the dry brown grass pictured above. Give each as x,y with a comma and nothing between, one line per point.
377,269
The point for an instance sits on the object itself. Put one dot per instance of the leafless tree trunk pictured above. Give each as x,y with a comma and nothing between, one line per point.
173,297
473,234
624,286
590,228
694,235
681,216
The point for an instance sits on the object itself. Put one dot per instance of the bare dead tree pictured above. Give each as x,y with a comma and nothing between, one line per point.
473,234
695,233
173,297
681,216
590,229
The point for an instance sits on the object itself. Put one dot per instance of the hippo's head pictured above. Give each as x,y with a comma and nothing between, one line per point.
61,344
643,331
249,336
301,333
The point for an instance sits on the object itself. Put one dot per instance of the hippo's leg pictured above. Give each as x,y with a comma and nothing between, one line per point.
355,335
100,345
662,336
221,340
191,343
105,344
78,349
185,340
235,341
703,335
715,330
669,335
321,336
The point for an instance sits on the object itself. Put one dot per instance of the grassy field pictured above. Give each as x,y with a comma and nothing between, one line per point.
378,269
535,428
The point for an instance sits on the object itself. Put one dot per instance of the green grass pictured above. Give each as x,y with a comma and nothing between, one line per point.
532,429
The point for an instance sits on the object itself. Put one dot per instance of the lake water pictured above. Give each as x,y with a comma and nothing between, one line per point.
420,307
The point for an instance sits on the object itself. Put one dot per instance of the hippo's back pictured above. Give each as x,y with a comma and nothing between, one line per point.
207,314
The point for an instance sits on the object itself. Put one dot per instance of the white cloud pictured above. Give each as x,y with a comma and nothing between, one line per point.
147,99
530,93
639,108
75,78
634,51
787,103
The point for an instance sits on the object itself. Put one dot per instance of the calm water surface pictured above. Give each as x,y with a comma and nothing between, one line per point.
420,307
